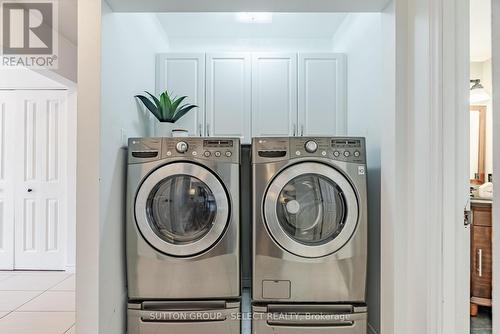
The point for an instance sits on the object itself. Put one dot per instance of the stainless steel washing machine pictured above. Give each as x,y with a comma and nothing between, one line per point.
309,234
183,250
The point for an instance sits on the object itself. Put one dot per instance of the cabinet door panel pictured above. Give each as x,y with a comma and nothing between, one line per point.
274,94
321,96
184,75
228,95
481,262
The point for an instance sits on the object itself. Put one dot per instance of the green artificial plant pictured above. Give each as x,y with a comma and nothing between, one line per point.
166,109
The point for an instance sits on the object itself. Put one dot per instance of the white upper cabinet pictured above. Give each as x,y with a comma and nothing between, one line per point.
322,95
228,99
274,94
183,74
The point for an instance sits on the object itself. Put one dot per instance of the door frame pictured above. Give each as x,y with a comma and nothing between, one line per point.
70,158
422,161
495,10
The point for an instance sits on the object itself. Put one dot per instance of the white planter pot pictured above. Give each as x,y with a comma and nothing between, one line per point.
180,133
163,129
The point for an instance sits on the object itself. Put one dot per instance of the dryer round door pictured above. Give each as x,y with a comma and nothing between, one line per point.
182,209
311,209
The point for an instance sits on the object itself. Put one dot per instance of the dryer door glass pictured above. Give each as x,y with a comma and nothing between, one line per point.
181,209
311,209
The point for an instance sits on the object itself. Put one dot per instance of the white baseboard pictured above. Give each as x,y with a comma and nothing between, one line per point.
371,330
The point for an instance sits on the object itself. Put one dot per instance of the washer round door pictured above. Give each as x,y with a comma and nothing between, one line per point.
311,209
182,209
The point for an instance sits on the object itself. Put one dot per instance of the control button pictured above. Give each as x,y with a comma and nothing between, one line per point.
181,147
323,153
311,146
194,153
357,154
228,154
336,154
347,154
217,154
297,153
169,153
207,153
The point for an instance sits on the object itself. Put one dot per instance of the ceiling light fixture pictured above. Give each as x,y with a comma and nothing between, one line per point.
254,17
477,92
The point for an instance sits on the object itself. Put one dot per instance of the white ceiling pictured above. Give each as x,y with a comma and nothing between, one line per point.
225,25
248,6
480,30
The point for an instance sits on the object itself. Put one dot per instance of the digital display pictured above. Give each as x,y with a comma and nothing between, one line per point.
217,143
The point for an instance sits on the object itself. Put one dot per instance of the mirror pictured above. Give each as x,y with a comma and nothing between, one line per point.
477,144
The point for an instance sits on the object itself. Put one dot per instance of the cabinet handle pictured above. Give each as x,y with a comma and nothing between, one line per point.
302,130
294,130
480,262
200,129
208,130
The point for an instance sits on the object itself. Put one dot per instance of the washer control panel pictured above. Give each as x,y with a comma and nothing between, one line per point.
347,149
214,149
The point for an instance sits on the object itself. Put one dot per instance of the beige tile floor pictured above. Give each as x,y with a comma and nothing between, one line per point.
33,301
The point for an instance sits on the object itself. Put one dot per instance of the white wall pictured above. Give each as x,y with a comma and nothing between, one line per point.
483,71
360,37
249,44
129,45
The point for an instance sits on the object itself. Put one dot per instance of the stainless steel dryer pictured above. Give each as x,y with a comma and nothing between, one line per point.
183,235
310,233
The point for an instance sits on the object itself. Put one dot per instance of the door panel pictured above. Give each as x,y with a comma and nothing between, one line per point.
184,75
41,181
228,95
274,94
7,145
321,96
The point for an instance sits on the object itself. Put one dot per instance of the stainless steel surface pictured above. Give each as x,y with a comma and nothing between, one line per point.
183,318
159,271
338,272
314,319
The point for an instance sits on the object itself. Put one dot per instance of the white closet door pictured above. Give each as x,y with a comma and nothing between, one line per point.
322,94
7,146
274,94
41,180
183,74
228,95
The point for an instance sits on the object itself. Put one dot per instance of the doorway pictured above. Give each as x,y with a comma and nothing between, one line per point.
481,168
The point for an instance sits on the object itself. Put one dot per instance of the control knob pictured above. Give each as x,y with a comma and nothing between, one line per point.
311,146
181,147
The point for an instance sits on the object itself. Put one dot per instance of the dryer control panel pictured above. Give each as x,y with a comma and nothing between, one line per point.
214,149
143,150
346,149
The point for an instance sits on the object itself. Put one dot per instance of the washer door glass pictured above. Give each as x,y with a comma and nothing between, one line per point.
311,209
181,209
